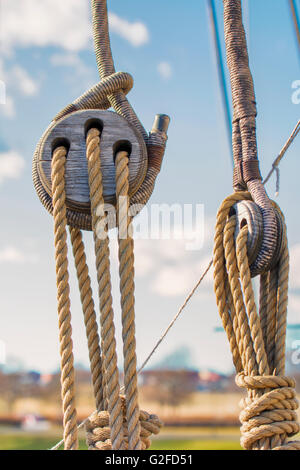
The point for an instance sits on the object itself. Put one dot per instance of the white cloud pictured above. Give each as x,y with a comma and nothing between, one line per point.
2,92
179,278
66,60
23,82
11,165
28,23
85,74
65,24
294,266
8,108
294,303
11,254
135,33
173,281
172,270
15,78
169,268
165,70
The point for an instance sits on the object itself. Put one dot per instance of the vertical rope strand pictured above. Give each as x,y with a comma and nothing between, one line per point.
90,319
263,303
104,282
271,317
281,316
126,269
242,330
63,298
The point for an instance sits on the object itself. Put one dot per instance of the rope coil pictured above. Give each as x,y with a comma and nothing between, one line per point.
99,433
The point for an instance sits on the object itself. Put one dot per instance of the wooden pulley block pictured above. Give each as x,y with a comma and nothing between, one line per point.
116,134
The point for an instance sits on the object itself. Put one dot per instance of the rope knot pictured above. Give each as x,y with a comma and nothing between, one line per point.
98,430
270,413
97,96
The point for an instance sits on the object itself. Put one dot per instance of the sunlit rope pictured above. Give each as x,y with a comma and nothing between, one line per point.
194,289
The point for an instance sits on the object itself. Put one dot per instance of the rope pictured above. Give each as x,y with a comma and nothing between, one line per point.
246,170
63,291
98,431
103,275
146,361
90,318
226,323
257,339
126,269
105,63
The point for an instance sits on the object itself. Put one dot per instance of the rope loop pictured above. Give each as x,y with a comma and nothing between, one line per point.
247,211
97,96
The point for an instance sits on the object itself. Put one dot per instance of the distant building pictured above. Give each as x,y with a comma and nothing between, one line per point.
210,380
155,377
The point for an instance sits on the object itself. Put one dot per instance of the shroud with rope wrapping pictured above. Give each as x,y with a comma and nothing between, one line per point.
250,239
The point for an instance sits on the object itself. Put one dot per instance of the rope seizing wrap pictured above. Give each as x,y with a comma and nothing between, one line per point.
246,174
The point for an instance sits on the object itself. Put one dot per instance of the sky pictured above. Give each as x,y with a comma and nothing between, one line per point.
47,61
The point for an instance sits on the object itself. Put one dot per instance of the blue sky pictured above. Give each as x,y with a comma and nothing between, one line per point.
46,61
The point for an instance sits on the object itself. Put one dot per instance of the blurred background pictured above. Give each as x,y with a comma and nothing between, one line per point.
47,60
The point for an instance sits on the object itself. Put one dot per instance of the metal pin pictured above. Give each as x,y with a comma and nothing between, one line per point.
161,123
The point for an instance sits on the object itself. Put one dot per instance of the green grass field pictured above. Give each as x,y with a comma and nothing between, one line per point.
174,439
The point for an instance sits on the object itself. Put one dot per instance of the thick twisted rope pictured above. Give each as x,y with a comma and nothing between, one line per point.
106,66
63,298
90,319
257,340
103,275
98,431
126,270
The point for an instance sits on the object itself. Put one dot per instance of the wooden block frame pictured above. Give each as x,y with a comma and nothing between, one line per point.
116,134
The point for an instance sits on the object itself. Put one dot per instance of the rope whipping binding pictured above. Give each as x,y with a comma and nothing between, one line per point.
256,335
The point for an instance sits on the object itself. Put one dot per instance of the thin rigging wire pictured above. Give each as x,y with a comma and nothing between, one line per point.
281,154
221,71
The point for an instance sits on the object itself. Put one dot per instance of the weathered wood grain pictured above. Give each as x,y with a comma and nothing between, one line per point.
71,130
